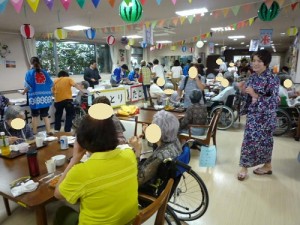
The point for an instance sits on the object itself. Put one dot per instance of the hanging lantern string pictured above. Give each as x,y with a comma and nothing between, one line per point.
25,12
58,16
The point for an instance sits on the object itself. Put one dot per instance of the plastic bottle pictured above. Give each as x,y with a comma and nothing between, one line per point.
33,164
5,150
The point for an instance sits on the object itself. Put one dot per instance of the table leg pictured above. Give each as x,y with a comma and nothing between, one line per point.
6,203
40,215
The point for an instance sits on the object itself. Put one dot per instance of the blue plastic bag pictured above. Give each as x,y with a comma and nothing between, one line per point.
208,156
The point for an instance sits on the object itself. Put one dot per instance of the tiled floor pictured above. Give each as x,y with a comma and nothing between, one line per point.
259,200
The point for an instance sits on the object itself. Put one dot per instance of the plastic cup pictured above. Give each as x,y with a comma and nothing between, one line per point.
39,141
50,165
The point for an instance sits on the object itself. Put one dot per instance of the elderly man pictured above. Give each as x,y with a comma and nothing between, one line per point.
91,74
15,136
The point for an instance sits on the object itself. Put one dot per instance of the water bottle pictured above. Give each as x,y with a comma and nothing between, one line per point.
4,145
33,164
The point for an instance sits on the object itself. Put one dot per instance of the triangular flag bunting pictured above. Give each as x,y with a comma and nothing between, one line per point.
154,23
280,2
103,30
225,12
81,3
251,20
182,19
112,29
235,9
216,13
161,23
17,4
112,3
198,18
293,6
174,2
158,2
143,2
190,1
203,36
127,1
234,26
190,18
147,24
195,38
175,21
247,7
129,27
3,6
95,3
33,4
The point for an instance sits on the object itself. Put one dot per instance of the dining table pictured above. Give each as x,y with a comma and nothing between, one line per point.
145,115
15,168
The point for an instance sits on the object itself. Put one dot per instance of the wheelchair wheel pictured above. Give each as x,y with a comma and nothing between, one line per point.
79,113
190,198
283,122
227,117
170,217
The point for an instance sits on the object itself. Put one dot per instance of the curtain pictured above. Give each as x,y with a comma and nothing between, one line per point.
30,49
114,56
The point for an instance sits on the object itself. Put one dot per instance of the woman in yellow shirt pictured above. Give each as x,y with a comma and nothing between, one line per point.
63,100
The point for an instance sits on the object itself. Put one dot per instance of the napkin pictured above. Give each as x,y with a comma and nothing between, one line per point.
28,186
50,138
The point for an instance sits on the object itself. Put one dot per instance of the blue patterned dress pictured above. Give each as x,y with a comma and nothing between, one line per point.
261,119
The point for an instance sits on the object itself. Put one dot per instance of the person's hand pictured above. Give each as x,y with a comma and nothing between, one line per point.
144,127
13,139
250,91
78,152
136,144
241,86
93,80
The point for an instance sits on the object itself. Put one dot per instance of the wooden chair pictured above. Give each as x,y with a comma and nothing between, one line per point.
158,206
211,131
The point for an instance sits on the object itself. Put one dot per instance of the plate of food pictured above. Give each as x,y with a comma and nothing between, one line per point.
169,107
52,182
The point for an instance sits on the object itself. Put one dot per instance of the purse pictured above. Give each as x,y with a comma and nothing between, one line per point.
208,156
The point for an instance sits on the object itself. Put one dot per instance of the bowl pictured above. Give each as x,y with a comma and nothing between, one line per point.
59,160
23,147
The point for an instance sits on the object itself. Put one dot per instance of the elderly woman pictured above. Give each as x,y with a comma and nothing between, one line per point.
195,114
106,184
168,146
15,136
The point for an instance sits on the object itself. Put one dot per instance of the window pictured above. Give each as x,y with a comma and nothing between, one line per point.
72,56
45,52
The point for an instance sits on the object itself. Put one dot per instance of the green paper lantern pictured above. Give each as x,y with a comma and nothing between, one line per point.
266,14
131,12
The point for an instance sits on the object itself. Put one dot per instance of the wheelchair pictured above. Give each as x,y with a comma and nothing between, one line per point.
189,197
287,115
230,111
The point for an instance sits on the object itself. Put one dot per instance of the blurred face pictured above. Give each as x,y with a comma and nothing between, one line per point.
94,65
258,65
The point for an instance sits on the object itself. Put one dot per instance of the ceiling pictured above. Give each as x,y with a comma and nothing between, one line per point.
46,21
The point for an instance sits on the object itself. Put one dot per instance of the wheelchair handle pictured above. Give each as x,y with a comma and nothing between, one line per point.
178,163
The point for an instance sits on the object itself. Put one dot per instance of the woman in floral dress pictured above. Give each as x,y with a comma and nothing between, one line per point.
261,96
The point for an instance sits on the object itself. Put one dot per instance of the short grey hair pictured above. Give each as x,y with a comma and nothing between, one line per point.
13,112
168,124
85,84
168,85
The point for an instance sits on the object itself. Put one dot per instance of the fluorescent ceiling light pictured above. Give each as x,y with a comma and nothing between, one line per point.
236,37
242,43
282,33
247,45
216,29
216,44
76,27
134,36
164,42
205,41
191,12
71,42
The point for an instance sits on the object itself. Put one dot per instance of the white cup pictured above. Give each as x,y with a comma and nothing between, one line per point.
145,105
50,165
39,141
42,134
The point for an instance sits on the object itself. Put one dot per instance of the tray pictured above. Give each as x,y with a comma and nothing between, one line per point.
173,110
15,154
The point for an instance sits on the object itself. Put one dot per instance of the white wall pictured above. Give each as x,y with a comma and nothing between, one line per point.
12,78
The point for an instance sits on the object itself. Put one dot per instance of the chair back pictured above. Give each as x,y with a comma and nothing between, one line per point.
158,206
229,101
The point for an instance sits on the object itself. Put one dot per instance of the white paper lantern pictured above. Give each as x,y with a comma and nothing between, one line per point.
199,44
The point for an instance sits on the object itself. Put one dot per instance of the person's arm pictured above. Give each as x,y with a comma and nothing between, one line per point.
222,96
200,85
78,153
87,75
